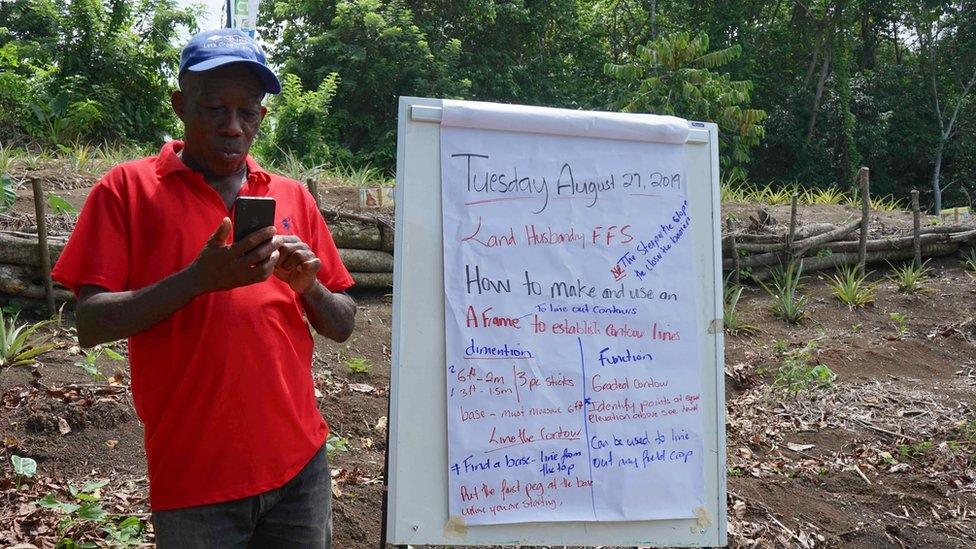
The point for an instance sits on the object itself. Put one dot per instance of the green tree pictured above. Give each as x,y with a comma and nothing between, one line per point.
89,69
299,124
378,52
674,75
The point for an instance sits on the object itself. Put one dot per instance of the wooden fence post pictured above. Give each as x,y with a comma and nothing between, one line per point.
735,253
42,248
791,236
863,179
313,188
916,229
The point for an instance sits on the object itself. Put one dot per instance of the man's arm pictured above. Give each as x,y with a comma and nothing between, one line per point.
331,314
104,316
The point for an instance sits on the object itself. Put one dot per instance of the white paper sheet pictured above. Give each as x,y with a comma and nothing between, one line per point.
573,373
549,121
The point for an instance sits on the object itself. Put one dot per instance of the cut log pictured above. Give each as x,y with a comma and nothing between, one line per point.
386,235
372,281
366,261
900,242
945,229
813,229
829,236
754,243
23,281
25,251
801,246
351,233
811,264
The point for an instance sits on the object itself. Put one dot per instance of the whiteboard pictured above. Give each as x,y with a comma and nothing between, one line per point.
417,511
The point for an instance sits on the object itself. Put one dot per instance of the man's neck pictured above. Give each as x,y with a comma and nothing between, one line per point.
227,186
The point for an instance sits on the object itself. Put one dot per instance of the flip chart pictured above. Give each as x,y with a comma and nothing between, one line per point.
573,381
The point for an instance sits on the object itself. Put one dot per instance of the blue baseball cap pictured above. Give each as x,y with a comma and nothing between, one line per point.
216,48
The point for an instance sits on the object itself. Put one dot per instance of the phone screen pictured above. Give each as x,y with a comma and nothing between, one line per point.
252,213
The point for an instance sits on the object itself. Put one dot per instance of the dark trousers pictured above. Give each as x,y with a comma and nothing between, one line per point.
296,515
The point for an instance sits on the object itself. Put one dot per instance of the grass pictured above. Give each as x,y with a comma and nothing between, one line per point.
908,278
20,345
968,260
6,159
887,204
915,450
89,362
739,190
362,176
293,167
336,444
829,195
801,371
8,192
358,365
733,191
852,287
788,303
900,320
78,154
733,322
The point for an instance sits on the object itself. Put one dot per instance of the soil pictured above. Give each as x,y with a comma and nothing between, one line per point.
815,462
884,455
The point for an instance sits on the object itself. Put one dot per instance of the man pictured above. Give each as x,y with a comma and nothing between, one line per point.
219,348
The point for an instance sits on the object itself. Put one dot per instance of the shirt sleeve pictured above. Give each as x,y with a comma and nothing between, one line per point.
333,274
97,252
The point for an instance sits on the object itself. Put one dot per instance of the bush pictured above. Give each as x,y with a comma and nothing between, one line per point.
88,70
801,370
298,125
852,288
733,322
379,53
908,278
788,303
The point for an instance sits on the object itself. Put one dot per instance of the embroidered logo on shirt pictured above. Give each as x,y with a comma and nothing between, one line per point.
286,223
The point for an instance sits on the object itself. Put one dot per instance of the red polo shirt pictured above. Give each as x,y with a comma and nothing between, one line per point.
223,386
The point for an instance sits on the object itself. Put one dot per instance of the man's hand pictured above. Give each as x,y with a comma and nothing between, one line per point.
222,267
297,263
331,314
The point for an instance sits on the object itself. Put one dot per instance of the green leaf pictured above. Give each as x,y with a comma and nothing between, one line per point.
50,502
89,368
8,195
25,467
92,485
91,511
109,352
60,205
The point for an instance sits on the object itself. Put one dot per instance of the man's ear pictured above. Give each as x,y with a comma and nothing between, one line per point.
264,112
178,101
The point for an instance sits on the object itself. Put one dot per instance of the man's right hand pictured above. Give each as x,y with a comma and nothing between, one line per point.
222,267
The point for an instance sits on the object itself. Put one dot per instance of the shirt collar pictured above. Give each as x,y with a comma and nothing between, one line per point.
169,163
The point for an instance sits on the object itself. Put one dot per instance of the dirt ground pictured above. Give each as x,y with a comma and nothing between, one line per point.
882,456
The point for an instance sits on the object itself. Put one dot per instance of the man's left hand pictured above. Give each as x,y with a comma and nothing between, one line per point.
297,264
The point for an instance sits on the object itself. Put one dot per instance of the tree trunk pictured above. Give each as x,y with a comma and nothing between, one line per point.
868,37
816,98
936,172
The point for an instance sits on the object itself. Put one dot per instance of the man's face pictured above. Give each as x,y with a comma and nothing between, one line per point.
221,111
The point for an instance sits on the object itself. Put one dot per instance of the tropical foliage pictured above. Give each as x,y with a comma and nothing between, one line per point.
804,92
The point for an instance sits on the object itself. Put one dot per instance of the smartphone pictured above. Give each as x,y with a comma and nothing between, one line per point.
252,213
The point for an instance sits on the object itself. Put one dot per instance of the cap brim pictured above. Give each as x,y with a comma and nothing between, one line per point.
268,78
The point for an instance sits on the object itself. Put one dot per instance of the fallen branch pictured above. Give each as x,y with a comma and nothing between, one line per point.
843,259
